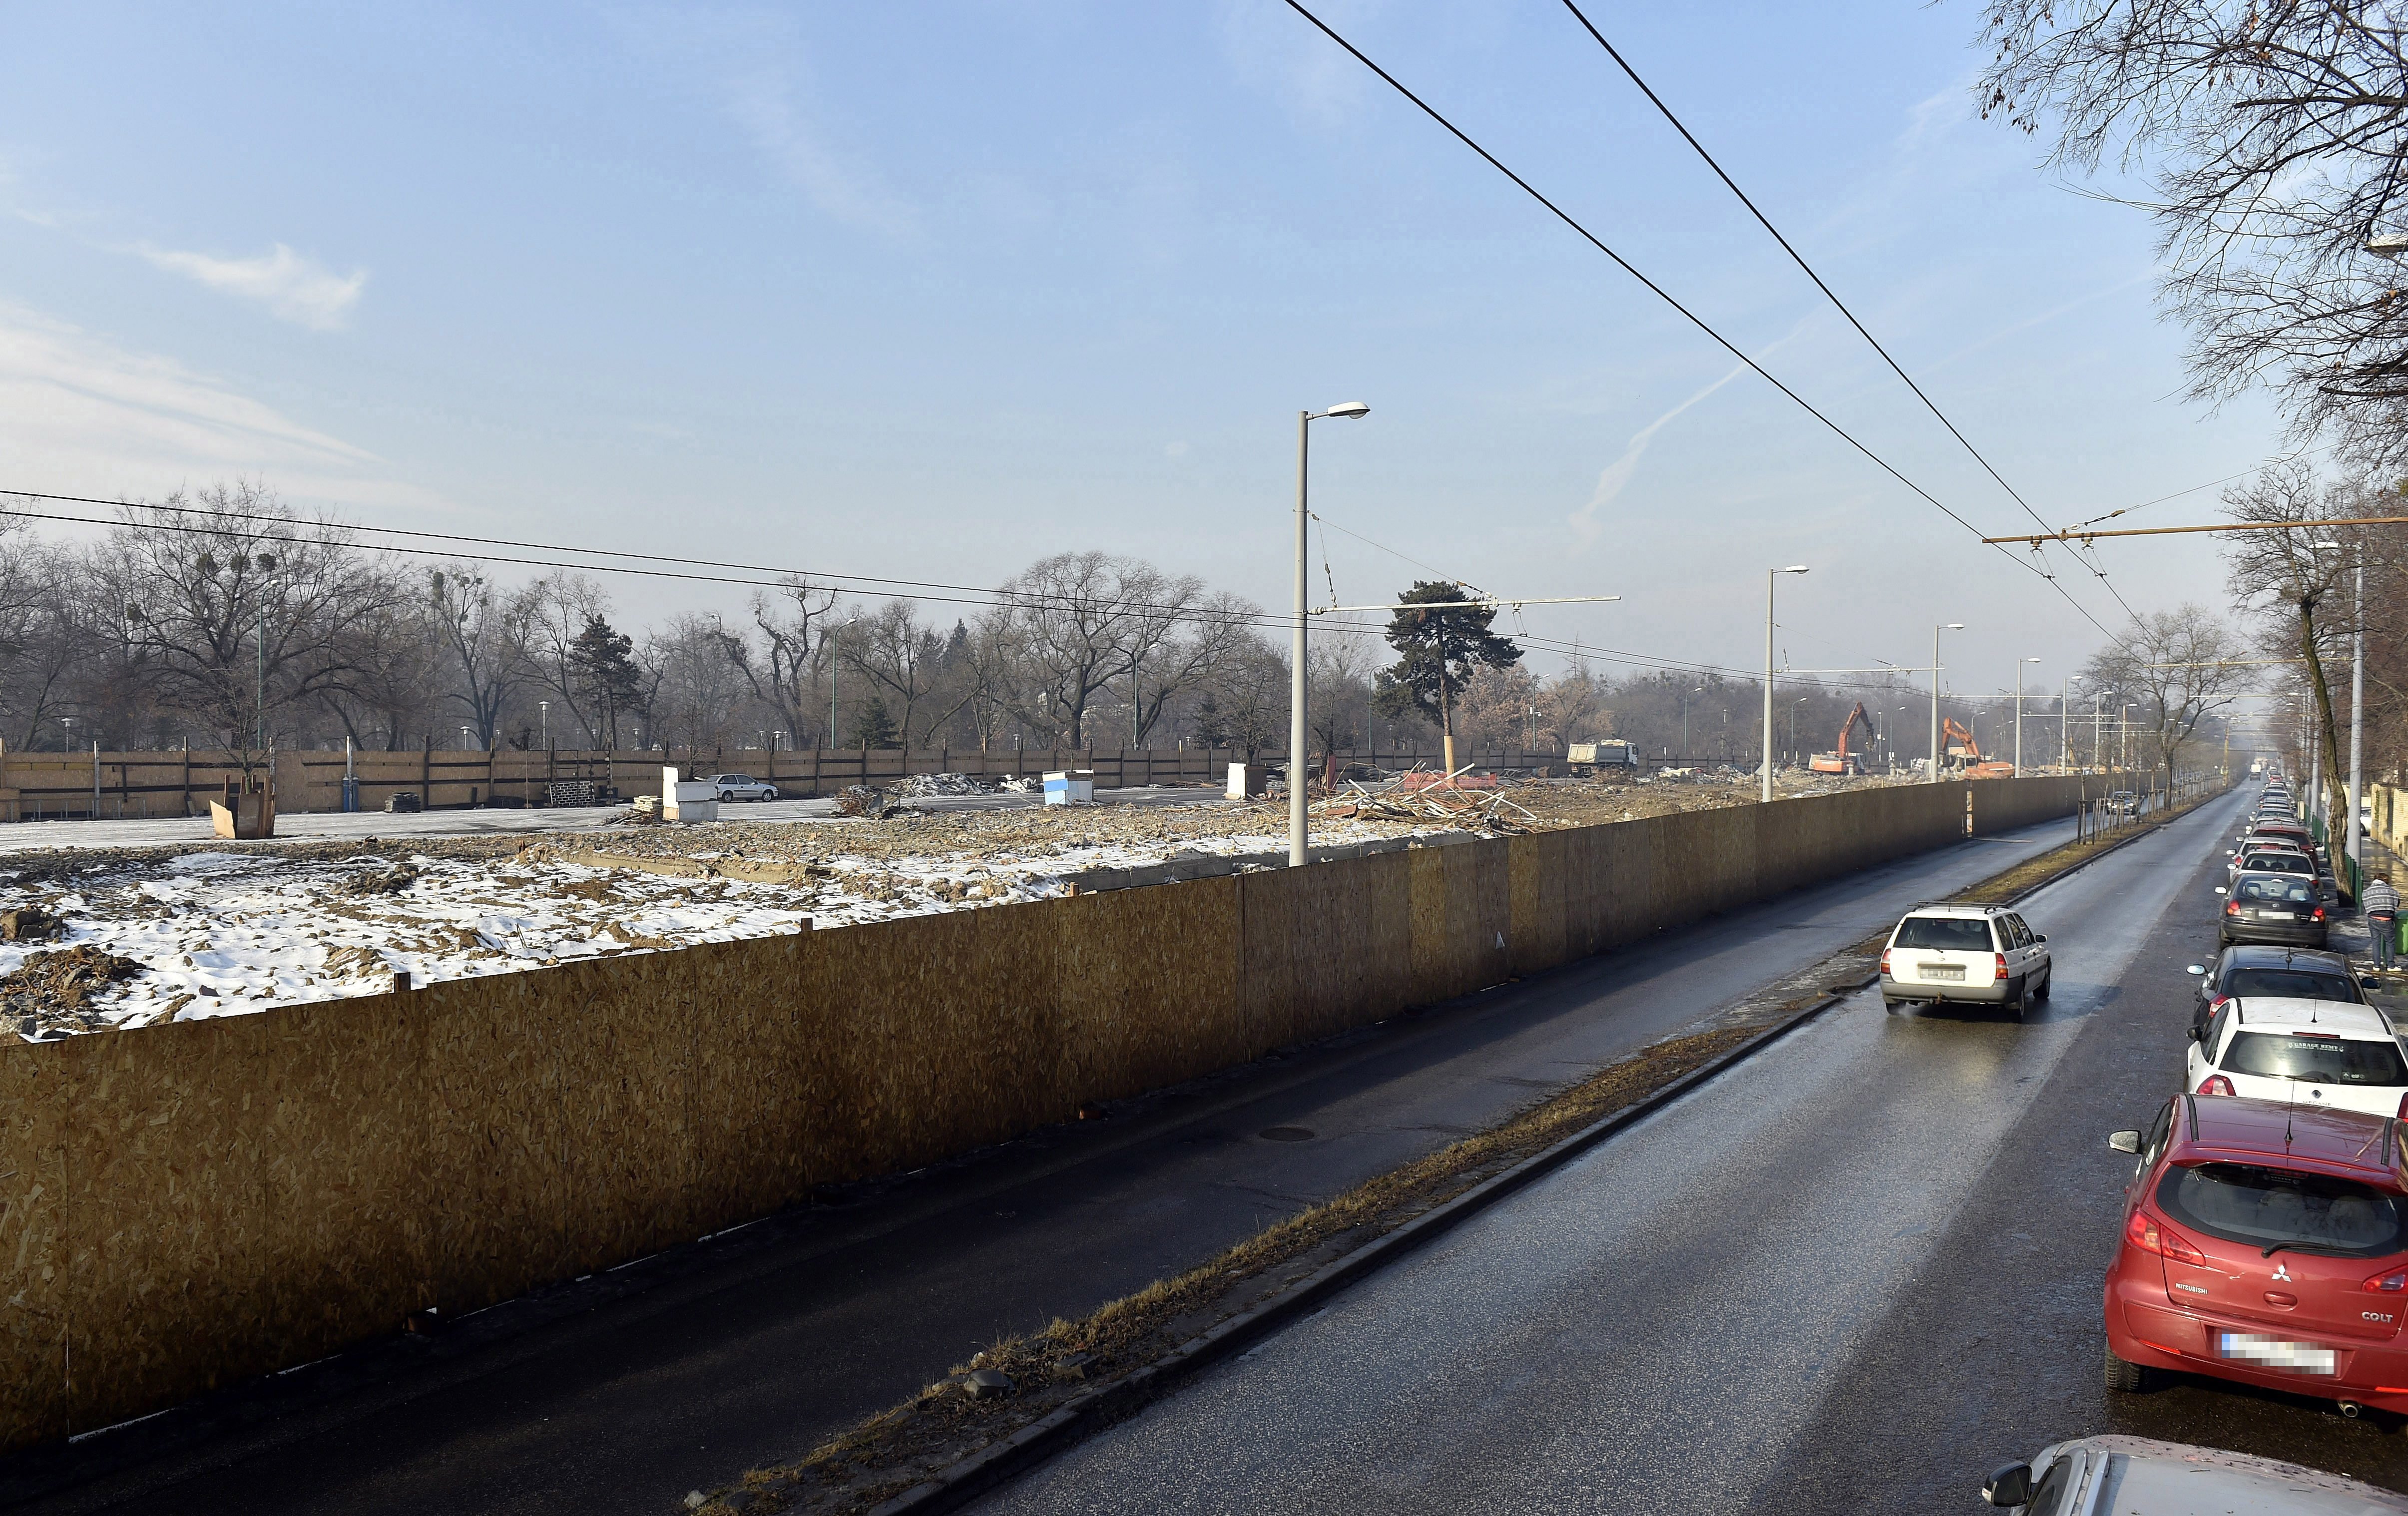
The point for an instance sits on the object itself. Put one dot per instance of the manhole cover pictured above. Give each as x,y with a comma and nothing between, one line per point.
1287,1133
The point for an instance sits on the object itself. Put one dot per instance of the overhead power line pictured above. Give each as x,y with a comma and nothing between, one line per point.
1686,314
1828,293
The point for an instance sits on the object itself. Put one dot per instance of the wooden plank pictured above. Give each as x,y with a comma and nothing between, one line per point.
35,1294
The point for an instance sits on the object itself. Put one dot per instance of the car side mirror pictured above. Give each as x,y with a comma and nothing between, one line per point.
2040,936
2196,969
2009,1486
2221,890
2124,1141
2198,1033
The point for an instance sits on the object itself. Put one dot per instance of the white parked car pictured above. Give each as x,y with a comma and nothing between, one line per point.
1985,955
2316,1052
2144,1477
742,787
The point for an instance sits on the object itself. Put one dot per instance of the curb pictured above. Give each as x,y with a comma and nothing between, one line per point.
1092,1410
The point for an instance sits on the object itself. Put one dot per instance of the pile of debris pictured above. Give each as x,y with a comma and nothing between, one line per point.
926,784
861,800
1474,803
55,990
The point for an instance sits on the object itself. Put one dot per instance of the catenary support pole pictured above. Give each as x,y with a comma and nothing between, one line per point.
1295,822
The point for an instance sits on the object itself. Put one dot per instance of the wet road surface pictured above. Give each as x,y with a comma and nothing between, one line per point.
1854,1273
621,1393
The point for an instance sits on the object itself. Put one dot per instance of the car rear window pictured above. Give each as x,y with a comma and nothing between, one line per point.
2279,862
2261,1206
2292,984
2279,1055
1957,934
2270,887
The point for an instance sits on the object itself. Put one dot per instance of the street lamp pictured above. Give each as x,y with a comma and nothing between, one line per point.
1792,724
2019,714
545,707
1948,626
1348,411
833,659
1771,577
1684,722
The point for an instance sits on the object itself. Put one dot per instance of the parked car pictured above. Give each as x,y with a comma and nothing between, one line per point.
2144,1477
2272,908
742,787
2291,832
2311,1053
1981,954
2269,858
2265,1243
2283,973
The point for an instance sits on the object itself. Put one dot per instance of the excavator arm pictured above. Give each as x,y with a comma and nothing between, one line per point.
1959,742
1850,724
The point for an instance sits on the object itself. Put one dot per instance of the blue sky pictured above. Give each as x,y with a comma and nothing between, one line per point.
932,290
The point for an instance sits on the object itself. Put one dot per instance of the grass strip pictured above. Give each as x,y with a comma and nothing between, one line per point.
901,1447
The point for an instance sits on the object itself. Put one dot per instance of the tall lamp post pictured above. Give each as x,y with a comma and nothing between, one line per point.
835,656
1948,626
1350,410
2019,713
1771,577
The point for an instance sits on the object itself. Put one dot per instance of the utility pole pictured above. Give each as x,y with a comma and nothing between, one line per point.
1351,410
1771,577
2019,714
1952,626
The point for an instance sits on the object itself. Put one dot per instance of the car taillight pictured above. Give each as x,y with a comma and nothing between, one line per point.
2219,1085
1884,968
1998,966
2145,1232
2391,1282
2232,908
2319,914
2215,1002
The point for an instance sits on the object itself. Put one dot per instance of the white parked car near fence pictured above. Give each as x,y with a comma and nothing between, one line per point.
743,787
2316,1052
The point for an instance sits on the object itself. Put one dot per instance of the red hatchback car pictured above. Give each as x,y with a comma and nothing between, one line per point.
2267,1243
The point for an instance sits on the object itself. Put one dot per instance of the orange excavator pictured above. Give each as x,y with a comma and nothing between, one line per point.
1842,761
1968,752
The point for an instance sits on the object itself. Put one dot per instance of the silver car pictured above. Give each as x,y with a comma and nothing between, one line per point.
2144,1477
742,787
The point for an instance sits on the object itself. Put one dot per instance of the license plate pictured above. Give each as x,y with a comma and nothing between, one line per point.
1941,971
2273,1353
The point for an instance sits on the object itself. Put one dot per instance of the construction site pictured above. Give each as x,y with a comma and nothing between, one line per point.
97,937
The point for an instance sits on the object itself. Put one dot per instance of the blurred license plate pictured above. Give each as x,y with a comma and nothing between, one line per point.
2273,1353
1941,971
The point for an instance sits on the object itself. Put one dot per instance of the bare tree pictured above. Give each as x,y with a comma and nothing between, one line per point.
553,611
784,672
482,635
2278,134
242,616
2286,564
1072,621
2185,665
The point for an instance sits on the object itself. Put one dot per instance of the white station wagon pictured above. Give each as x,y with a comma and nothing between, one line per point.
742,787
2142,1477
2315,1053
1981,954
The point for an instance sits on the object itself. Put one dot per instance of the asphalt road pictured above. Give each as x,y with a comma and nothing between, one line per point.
1854,1273
621,1392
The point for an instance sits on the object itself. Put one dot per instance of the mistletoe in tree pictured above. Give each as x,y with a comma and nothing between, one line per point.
1442,649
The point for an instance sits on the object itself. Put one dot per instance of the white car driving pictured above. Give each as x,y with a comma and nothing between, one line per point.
1985,955
2316,1052
742,787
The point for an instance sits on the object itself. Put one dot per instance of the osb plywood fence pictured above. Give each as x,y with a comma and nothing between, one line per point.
195,1204
54,786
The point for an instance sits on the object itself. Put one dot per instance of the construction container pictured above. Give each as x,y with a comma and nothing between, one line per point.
1070,787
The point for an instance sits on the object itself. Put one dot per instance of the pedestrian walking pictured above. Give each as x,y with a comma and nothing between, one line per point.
2382,903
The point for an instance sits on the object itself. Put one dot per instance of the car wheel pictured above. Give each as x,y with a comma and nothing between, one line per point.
2047,985
2128,1378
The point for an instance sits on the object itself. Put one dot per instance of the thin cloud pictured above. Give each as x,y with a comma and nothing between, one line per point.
292,287
82,416
763,103
1617,474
